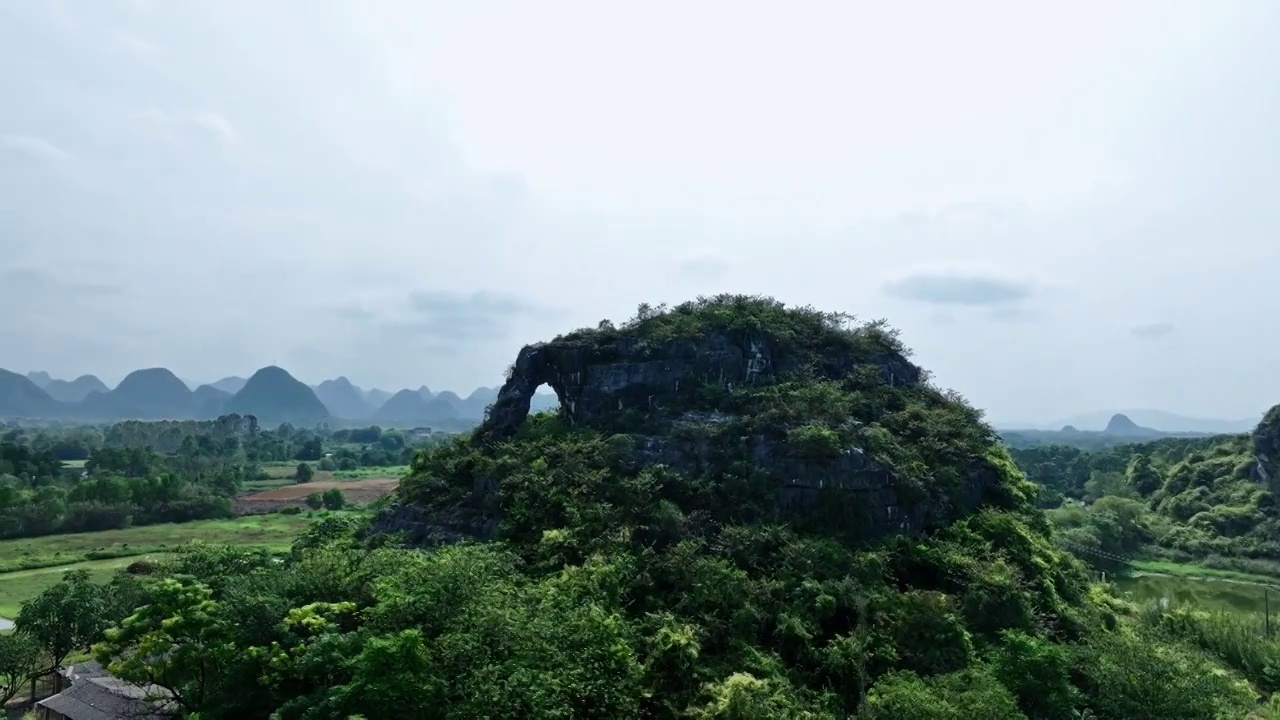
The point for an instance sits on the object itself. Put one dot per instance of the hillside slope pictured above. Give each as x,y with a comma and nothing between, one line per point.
22,398
274,396
342,399
741,512
709,453
73,391
405,408
209,401
147,394
230,385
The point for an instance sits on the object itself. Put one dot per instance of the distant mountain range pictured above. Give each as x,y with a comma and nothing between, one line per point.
1120,429
1156,420
271,394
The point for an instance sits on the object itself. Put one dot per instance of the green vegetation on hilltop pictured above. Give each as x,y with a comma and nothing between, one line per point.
815,339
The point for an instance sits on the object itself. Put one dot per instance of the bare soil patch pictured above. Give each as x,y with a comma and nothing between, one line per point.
355,491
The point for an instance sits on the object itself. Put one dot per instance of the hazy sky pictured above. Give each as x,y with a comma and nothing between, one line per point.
1064,206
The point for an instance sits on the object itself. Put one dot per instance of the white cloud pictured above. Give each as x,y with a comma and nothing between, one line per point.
1106,176
962,290
135,46
208,123
33,146
1153,331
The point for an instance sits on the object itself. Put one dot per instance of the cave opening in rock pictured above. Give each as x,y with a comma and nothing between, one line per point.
545,399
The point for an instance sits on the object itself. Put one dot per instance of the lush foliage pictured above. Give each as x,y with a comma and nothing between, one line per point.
1195,498
20,658
84,480
616,587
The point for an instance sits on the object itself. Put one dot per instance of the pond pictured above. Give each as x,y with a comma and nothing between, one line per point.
1225,595
5,624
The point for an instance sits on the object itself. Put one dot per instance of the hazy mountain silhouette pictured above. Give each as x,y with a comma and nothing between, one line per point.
274,396
149,394
405,408
375,398
343,399
208,401
68,391
22,397
542,401
476,403
451,397
232,384
1159,420
1120,424
40,378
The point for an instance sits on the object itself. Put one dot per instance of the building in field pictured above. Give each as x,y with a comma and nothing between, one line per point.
94,694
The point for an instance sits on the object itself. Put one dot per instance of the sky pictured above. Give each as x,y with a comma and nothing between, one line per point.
1063,207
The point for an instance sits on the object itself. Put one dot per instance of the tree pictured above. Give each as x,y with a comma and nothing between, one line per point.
179,641
1143,477
304,473
328,464
333,499
312,449
1101,484
314,501
19,660
67,617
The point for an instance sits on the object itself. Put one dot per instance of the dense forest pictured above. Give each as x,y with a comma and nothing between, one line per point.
1191,498
81,479
601,563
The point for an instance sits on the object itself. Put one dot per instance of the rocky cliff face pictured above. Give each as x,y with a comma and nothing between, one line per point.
595,382
1266,449
741,408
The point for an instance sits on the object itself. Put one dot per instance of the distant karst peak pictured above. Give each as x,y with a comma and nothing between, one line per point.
1120,424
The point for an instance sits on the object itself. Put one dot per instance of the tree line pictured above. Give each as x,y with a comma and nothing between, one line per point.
89,479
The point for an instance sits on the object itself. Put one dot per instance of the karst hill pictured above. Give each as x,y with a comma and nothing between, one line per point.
274,396
771,492
769,413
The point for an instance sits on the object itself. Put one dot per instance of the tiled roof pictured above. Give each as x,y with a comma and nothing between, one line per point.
103,698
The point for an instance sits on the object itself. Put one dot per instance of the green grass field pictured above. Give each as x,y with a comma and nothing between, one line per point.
29,565
15,587
274,530
1192,570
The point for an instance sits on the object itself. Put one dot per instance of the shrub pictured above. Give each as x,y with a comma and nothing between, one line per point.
333,499
814,441
304,473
